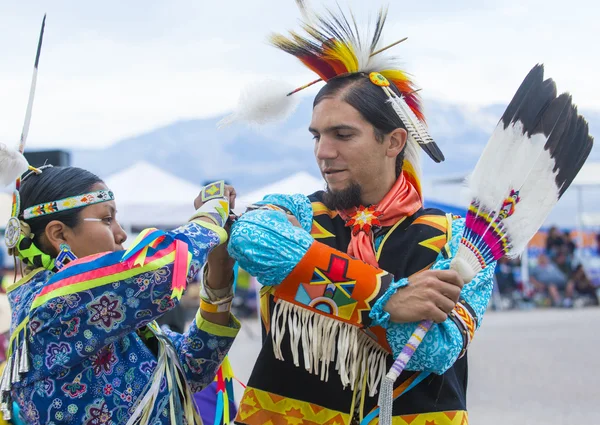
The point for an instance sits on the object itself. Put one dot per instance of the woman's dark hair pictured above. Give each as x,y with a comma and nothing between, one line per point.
54,184
368,99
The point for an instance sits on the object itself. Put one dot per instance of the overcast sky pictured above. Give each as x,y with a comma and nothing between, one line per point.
113,69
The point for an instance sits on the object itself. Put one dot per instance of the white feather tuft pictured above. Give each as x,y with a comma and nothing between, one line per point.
12,165
262,103
382,62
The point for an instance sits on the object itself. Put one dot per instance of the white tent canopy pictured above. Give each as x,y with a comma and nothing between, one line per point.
301,182
148,196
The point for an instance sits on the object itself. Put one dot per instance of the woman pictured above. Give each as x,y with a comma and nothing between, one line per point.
84,346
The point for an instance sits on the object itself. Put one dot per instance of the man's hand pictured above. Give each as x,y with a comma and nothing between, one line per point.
429,295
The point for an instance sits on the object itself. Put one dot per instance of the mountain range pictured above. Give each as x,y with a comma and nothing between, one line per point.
249,158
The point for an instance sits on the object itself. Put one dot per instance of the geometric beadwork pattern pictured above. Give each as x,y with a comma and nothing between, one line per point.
319,232
466,319
325,282
330,291
68,203
212,191
263,408
438,222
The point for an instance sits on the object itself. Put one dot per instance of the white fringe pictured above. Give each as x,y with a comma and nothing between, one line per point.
326,340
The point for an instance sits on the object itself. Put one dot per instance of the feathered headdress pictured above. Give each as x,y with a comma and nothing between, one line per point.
332,46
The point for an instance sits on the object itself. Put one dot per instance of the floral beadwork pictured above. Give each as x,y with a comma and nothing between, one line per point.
89,362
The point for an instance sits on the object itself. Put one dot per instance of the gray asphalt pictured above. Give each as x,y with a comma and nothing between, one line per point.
536,367
525,368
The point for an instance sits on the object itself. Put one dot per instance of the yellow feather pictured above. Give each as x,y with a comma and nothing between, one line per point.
393,74
408,168
343,53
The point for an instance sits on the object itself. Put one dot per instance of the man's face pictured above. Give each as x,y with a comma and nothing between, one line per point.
347,151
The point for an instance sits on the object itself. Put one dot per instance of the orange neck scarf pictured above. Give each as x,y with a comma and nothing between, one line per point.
402,200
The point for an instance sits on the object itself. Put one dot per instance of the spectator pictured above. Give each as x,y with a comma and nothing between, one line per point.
569,246
505,276
554,242
546,277
563,262
583,285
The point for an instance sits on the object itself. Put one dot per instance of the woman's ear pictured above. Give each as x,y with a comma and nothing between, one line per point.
397,142
55,235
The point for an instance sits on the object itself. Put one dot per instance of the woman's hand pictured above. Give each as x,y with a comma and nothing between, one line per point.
230,194
220,264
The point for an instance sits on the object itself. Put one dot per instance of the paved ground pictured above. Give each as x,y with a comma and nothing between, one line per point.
526,368
536,367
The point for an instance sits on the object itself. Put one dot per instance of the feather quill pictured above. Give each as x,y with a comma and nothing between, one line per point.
417,133
12,162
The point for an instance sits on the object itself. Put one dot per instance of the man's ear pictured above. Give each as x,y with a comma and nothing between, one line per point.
55,235
397,141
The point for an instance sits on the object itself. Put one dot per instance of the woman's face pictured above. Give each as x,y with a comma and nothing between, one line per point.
98,230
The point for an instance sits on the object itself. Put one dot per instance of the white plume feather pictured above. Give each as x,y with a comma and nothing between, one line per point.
12,165
512,160
263,102
535,152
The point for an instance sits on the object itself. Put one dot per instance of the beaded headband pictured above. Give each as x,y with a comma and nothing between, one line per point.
68,203
14,226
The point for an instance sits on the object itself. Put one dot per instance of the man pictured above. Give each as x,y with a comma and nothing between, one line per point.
546,276
333,322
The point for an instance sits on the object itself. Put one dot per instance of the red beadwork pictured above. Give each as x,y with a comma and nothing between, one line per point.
364,219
